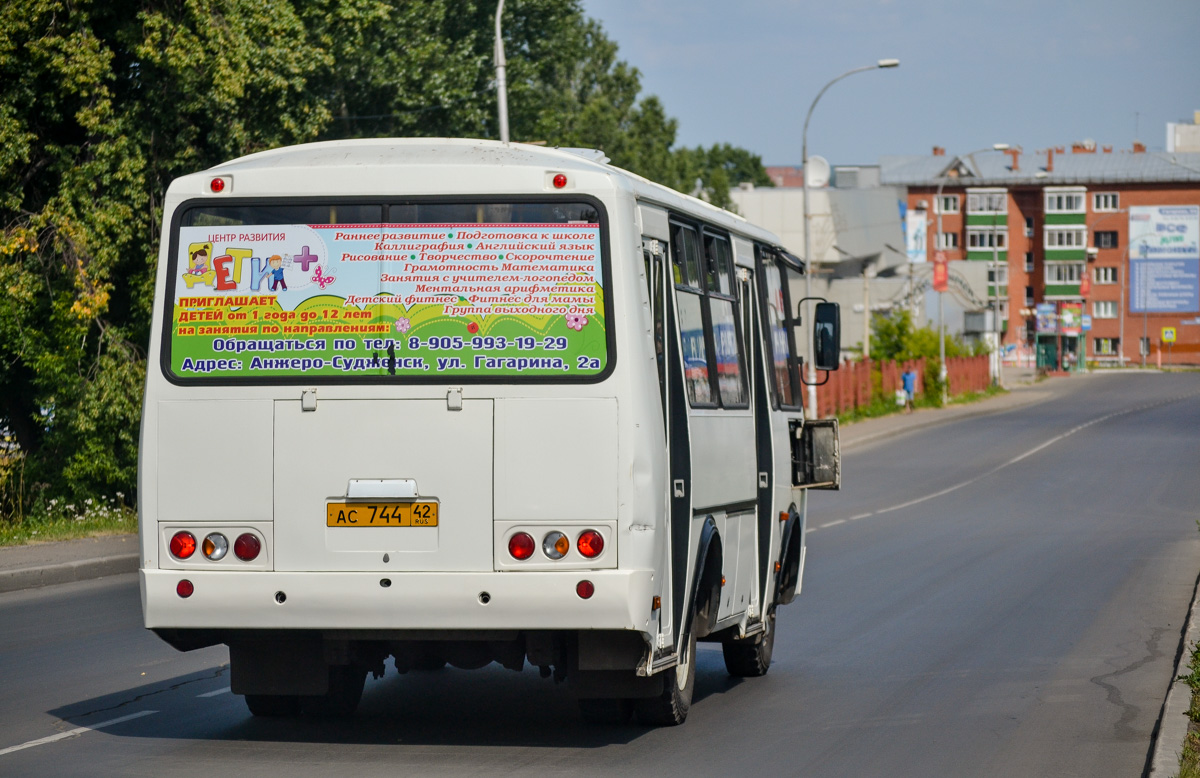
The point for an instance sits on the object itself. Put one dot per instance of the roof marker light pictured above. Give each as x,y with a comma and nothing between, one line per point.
560,181
217,185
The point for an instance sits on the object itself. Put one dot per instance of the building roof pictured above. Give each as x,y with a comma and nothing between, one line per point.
991,168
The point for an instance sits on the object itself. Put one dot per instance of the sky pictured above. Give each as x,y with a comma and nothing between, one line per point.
972,72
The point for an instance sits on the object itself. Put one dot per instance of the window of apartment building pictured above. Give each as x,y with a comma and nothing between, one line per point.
1107,346
946,204
1106,239
1104,309
1028,226
988,201
986,239
1029,295
1064,272
1105,201
1105,275
1064,200
1028,261
1001,271
947,240
1003,310
1065,237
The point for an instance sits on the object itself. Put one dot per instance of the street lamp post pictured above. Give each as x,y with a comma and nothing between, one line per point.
808,260
937,204
501,78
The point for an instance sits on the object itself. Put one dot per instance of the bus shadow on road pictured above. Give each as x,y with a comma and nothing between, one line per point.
449,707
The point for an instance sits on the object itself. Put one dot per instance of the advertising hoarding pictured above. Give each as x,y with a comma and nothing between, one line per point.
915,231
1164,259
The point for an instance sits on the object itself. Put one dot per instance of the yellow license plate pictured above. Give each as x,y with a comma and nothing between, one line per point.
381,514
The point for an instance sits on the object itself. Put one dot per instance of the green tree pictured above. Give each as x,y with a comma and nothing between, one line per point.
101,105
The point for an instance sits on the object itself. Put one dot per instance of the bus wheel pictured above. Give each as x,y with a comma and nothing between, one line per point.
670,708
752,657
273,705
345,691
606,711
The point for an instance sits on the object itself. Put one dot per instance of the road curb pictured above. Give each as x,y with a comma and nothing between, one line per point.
1173,720
66,572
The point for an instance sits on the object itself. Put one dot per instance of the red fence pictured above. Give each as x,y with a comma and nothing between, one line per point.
852,386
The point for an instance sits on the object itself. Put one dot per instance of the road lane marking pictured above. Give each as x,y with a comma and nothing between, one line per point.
77,731
1013,461
214,693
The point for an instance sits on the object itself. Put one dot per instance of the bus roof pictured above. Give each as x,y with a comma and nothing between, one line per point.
379,153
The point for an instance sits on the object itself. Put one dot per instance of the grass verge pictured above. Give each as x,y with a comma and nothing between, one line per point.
1189,759
69,521
887,406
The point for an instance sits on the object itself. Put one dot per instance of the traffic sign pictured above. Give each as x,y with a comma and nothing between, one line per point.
1168,334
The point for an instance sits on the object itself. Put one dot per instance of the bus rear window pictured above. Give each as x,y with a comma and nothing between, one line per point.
350,292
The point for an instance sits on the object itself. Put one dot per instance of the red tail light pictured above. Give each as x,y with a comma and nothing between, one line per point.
521,545
585,589
183,544
590,543
247,547
184,588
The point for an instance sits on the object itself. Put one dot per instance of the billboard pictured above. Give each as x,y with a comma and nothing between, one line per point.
1070,319
1164,259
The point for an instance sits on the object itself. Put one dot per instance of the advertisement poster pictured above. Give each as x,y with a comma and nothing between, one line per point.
1164,259
914,236
1070,319
1047,319
421,300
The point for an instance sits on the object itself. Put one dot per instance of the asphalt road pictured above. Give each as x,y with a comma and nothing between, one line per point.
1003,595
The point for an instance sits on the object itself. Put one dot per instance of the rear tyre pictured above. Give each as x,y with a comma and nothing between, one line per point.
345,691
273,705
750,658
670,708
611,712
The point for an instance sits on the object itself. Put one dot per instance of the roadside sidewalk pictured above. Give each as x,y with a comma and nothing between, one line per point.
44,564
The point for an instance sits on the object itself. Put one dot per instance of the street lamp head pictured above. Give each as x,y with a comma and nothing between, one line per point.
1000,146
888,63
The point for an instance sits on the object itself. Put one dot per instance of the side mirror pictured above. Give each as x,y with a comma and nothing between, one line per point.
827,336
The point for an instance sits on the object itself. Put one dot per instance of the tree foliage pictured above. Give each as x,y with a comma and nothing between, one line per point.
895,337
104,102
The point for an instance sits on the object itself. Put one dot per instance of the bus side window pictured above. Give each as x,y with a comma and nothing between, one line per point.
727,345
776,327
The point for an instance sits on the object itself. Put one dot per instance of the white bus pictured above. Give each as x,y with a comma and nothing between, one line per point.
462,402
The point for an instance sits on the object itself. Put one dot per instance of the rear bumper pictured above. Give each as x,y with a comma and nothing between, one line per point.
354,601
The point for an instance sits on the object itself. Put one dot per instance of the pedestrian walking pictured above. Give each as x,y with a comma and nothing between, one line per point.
910,386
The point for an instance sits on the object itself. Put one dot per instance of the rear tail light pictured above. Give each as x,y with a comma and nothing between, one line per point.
183,545
521,545
247,547
555,545
590,543
215,546
585,589
184,588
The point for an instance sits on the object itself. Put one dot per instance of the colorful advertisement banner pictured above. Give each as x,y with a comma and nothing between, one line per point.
417,300
1047,319
916,226
1164,259
1070,319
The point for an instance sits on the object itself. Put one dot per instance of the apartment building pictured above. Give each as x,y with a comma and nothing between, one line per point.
1103,243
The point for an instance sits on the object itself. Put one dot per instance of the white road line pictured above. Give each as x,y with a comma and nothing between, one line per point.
214,693
1012,461
72,733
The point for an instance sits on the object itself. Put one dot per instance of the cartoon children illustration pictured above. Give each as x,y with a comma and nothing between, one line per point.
199,262
276,263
